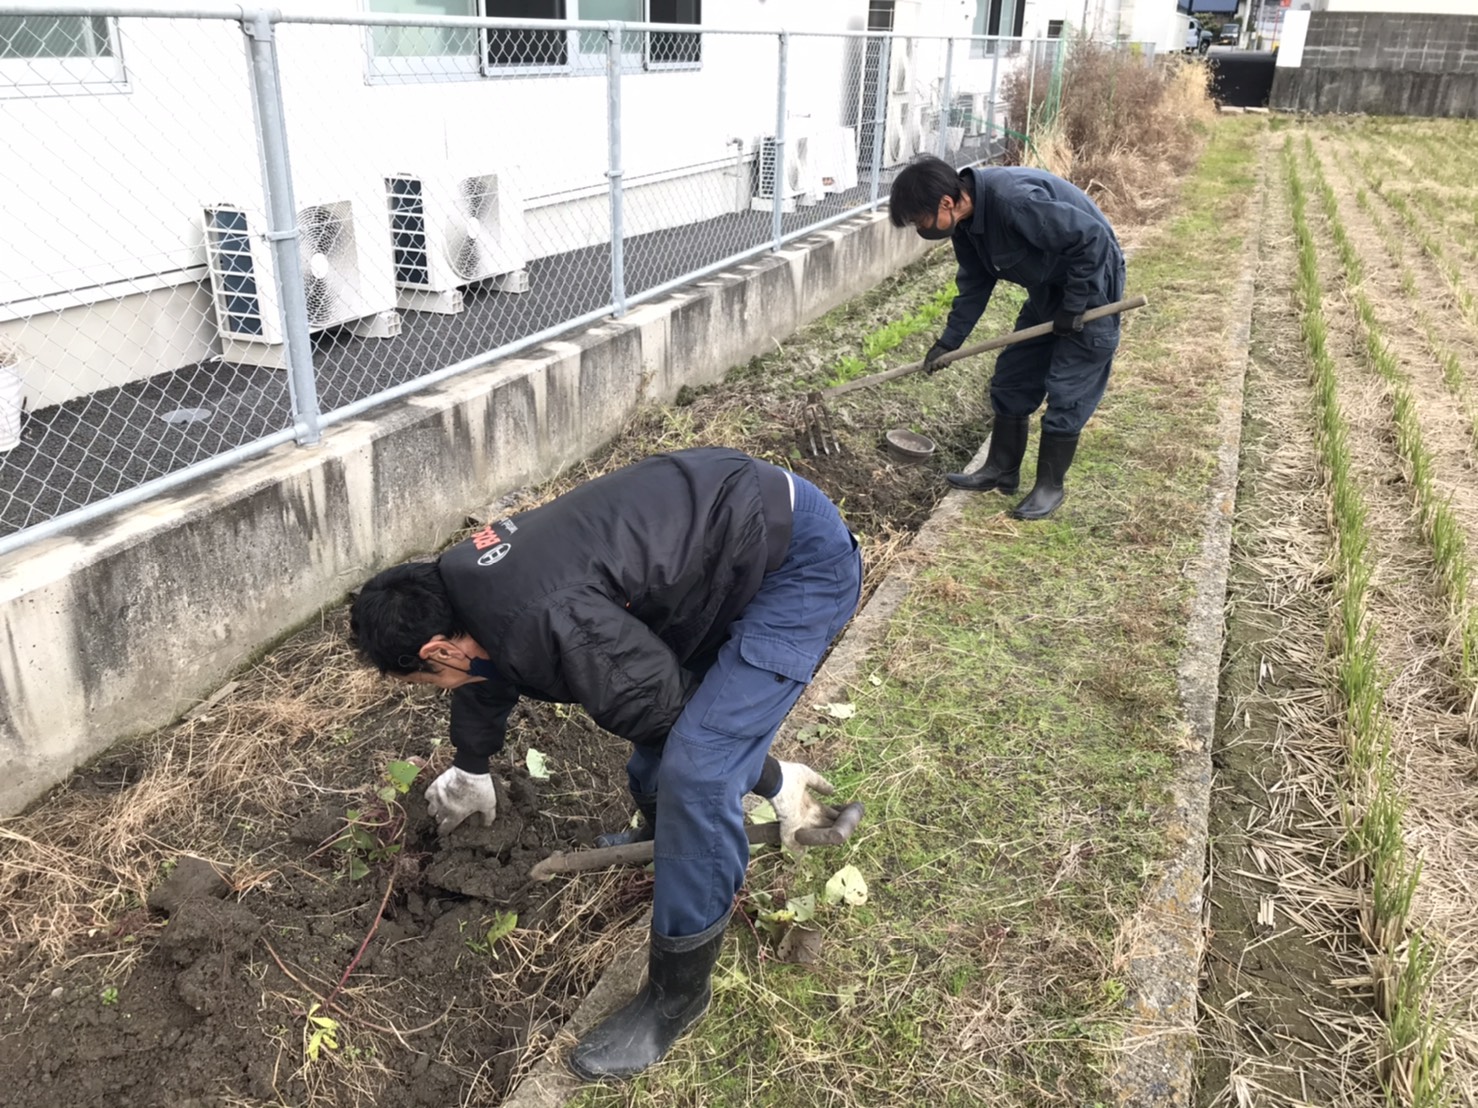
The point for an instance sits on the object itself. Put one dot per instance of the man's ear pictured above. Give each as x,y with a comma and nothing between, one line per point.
439,649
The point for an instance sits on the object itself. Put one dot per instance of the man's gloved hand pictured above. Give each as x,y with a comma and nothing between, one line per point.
794,805
457,794
937,351
1067,323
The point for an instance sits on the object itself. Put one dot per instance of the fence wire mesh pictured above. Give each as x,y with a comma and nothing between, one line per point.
107,327
443,193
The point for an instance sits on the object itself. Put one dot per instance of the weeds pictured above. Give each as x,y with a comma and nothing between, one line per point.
892,335
375,835
1124,130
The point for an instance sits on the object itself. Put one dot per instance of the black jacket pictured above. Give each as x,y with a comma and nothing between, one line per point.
611,595
1036,230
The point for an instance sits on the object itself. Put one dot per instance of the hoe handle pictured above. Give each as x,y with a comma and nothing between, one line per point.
1040,330
635,854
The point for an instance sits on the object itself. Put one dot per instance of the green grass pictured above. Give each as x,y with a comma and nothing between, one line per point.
884,340
1013,741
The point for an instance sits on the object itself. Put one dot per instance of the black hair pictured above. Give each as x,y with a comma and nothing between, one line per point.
397,612
919,187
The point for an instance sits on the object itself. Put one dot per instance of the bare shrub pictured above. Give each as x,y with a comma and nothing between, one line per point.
1120,127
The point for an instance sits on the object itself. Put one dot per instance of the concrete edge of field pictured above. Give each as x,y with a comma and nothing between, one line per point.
1156,1066
120,626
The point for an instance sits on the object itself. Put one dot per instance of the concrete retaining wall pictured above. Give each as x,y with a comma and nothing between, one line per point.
1382,64
119,629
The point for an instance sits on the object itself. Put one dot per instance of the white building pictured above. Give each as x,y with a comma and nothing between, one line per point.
122,136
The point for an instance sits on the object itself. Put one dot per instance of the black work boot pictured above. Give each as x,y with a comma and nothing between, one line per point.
1002,469
1054,456
677,992
644,832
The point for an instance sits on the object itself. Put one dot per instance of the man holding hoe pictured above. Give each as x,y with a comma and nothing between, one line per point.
1032,228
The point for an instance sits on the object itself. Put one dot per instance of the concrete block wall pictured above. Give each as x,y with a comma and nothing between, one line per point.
121,627
1383,64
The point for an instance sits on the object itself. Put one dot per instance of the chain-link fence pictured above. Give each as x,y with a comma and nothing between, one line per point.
225,229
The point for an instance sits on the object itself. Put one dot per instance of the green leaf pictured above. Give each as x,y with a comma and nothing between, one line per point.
846,885
803,908
387,793
402,775
840,711
503,924
357,869
538,765
763,812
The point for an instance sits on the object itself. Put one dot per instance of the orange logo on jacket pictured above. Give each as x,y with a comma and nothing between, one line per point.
492,543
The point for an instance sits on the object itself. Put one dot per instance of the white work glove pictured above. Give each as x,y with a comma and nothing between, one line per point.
457,794
796,808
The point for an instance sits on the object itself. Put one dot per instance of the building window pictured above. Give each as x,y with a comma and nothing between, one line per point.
418,53
1054,28
998,18
588,49
541,49
674,48
43,55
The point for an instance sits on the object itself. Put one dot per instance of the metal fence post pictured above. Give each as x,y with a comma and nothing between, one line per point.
990,111
282,220
777,221
880,120
1031,89
947,108
613,174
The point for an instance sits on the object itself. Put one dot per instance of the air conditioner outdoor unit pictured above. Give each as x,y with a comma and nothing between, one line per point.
969,113
802,183
447,232
337,286
901,64
904,132
834,154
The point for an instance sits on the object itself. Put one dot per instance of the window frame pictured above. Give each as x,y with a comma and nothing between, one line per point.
409,69
1001,43
661,66
419,69
578,62
102,75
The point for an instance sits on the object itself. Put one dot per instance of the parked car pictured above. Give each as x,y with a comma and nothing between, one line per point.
1229,35
1197,38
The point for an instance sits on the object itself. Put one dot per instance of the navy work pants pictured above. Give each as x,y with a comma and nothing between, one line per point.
1069,371
715,751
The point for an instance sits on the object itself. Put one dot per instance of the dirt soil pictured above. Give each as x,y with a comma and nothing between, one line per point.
1268,998
137,976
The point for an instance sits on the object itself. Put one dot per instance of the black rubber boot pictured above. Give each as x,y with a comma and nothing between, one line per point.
677,992
644,832
1054,456
1002,469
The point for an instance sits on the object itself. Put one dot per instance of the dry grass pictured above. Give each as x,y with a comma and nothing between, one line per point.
1432,716
1288,1015
74,870
1126,130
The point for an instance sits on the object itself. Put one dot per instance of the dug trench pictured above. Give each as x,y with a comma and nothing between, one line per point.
183,914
